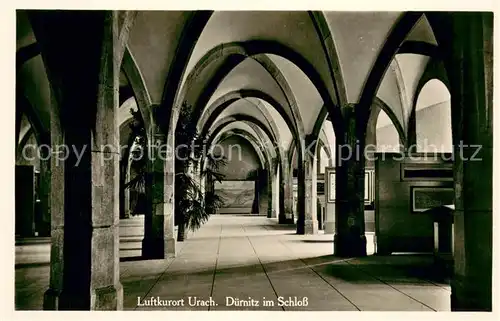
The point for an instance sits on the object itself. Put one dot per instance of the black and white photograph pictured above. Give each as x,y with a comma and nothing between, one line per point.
252,160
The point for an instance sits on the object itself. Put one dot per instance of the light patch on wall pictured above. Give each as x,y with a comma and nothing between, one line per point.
433,92
24,128
387,135
383,120
433,118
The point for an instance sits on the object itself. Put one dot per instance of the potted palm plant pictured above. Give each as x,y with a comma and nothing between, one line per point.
196,170
195,197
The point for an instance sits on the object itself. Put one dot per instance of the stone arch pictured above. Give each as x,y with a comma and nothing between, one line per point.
263,157
141,94
328,44
441,115
323,143
266,165
219,131
23,106
378,105
394,40
218,106
233,54
247,119
221,124
434,70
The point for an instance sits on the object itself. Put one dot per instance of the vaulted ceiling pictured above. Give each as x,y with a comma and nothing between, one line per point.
290,68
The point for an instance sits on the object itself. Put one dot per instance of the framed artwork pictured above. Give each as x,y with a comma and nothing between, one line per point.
424,198
428,172
367,186
330,185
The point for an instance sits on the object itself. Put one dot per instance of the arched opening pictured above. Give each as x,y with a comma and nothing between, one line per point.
387,136
433,118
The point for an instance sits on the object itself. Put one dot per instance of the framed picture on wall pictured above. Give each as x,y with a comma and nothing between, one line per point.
367,186
330,185
424,198
372,187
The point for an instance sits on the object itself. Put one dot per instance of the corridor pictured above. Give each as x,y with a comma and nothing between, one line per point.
235,258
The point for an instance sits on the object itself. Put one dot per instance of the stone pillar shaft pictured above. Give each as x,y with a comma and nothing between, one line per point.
330,206
470,68
350,237
159,241
44,194
286,216
310,196
272,189
85,184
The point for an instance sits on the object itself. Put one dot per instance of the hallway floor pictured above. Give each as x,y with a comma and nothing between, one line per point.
235,258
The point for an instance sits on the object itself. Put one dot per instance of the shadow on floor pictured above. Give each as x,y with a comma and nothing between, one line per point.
406,270
278,227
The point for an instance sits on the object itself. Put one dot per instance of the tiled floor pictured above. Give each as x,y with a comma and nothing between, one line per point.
237,259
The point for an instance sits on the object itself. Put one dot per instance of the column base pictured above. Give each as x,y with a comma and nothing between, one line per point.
51,299
311,227
158,248
468,294
382,245
170,247
107,298
349,245
443,266
283,219
44,229
330,227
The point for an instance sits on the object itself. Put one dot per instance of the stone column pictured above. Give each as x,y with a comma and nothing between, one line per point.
272,190
269,194
330,205
275,191
85,234
350,237
44,194
286,216
57,272
310,196
256,200
470,72
123,181
159,241
307,222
